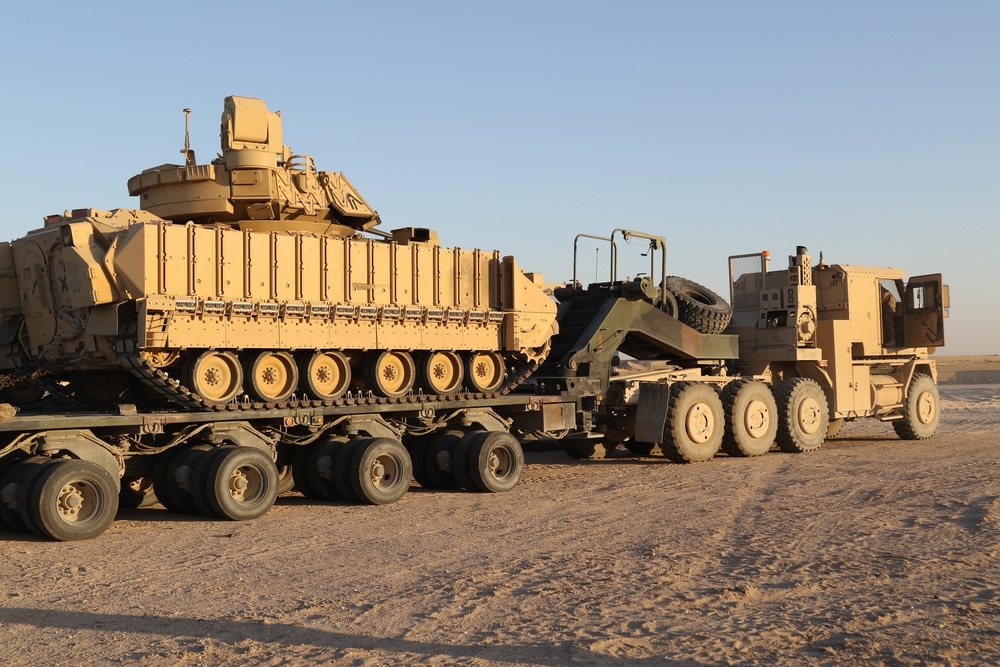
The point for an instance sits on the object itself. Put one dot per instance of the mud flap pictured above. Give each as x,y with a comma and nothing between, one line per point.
651,413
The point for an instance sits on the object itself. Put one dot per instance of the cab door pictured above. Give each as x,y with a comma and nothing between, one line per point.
926,306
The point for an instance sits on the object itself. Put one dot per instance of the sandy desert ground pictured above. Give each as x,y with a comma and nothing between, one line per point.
871,550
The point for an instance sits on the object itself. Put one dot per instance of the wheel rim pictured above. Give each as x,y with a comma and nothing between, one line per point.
757,418
328,375
216,376
485,371
699,423
443,372
810,416
392,373
384,471
273,376
925,408
77,501
247,483
501,463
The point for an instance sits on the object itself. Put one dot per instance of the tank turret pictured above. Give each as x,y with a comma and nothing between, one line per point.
255,183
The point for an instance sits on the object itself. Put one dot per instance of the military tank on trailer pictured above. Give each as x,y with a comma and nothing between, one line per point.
258,277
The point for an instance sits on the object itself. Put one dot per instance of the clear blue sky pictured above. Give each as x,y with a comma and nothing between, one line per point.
866,130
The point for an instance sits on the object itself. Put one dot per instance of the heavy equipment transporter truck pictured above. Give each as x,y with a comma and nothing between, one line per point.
640,363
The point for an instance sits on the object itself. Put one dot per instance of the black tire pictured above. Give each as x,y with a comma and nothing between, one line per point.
589,449
380,471
417,446
300,471
163,480
695,423
751,418
699,307
71,499
438,460
803,415
921,410
286,480
496,462
342,469
320,467
241,483
13,482
184,479
460,461
137,491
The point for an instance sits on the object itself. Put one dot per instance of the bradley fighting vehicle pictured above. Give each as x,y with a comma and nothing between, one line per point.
250,277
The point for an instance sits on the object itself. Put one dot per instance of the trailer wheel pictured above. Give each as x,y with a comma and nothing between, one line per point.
495,461
699,307
182,479
13,483
695,423
921,410
590,449
163,477
342,469
417,447
241,483
803,415
380,471
71,499
751,418
439,459
320,467
137,492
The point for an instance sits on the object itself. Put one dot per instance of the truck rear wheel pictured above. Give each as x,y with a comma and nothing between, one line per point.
751,418
438,459
694,425
803,415
921,410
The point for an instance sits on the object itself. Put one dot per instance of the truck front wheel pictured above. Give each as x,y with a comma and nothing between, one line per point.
921,411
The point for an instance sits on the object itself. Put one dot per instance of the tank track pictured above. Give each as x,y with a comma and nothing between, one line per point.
171,389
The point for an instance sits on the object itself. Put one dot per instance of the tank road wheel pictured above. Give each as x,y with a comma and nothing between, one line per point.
100,388
22,393
495,461
695,423
241,483
441,373
391,374
485,371
921,411
751,418
216,377
326,375
803,415
271,377
72,499
380,471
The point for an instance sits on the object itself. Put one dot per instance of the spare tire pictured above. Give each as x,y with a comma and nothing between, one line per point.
699,307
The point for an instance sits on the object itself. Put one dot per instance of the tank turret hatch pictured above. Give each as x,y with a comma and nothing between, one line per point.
255,183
